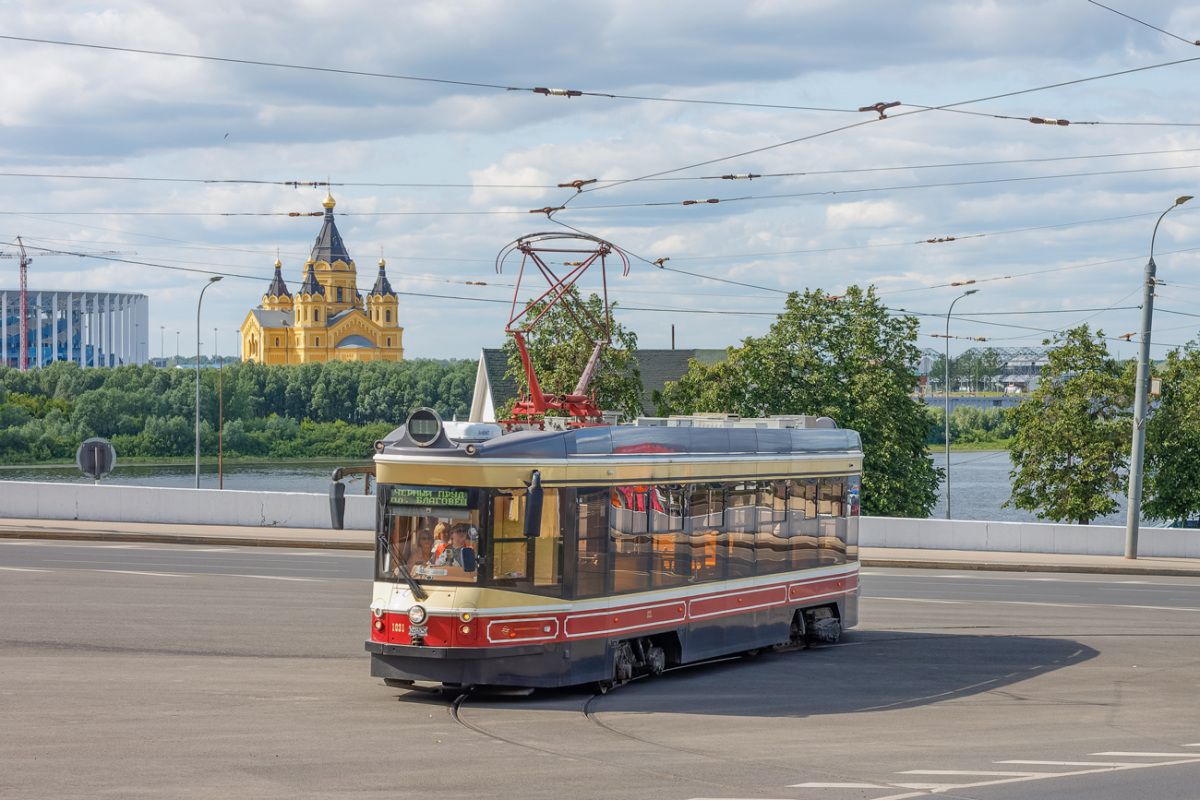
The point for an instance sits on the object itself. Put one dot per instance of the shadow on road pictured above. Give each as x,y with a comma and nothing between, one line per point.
868,671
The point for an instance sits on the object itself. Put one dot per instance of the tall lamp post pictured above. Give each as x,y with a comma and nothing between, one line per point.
211,281
1139,398
948,313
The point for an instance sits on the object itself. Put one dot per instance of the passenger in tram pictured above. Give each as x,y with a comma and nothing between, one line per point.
441,537
424,552
452,554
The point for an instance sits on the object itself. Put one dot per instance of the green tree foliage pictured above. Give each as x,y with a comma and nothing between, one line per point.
320,409
559,349
1072,432
1171,489
969,425
847,359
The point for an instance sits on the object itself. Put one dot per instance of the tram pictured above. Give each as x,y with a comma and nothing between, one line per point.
545,558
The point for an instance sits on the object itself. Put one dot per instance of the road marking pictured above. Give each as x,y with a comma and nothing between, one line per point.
820,785
1149,755
918,600
264,577
1030,603
135,572
1073,763
995,774
23,569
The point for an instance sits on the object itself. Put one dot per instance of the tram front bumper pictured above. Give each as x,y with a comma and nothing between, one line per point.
538,665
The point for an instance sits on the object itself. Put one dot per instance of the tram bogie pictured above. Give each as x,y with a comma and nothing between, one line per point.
598,555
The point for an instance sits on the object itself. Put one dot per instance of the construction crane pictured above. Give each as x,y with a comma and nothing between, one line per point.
25,262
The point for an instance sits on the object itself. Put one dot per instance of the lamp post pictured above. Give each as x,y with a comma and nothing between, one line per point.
960,297
162,342
1140,389
211,281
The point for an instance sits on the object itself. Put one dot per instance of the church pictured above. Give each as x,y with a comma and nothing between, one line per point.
327,319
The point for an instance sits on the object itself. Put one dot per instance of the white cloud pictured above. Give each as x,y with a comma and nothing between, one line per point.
854,205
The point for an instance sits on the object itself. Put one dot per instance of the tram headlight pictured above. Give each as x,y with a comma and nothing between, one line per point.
417,615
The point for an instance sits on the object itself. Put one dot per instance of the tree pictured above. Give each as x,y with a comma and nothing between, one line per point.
845,358
559,350
1072,432
1172,484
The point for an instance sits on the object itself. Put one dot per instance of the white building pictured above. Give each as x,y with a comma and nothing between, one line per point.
93,329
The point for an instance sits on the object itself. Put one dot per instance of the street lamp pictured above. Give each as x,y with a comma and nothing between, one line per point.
960,297
1139,398
211,281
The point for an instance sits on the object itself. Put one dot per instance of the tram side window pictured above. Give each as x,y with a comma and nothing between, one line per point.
670,550
591,542
831,507
772,546
527,564
802,524
703,525
628,520
666,508
853,497
741,517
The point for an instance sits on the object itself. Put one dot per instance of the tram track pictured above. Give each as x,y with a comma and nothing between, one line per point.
589,712
455,711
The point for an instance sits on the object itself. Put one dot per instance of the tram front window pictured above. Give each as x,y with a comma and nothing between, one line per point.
429,534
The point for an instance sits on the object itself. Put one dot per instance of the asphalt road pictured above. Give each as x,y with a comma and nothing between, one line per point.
167,671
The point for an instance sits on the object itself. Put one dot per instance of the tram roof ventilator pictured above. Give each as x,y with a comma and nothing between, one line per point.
776,421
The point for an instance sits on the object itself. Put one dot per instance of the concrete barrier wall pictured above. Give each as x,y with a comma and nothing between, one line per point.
1024,537
109,503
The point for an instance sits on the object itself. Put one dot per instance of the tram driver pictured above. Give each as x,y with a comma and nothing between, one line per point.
453,554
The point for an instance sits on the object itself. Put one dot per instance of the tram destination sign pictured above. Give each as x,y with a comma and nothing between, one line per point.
423,496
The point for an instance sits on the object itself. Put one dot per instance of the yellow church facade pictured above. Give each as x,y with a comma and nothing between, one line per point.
327,319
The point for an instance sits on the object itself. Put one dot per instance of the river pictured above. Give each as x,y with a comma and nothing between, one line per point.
979,481
980,486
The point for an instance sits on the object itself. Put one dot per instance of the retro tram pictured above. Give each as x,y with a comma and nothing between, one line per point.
558,550
596,554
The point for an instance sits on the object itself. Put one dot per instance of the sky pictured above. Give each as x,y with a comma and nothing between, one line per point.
170,166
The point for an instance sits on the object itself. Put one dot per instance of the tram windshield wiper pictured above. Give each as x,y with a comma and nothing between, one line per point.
402,568
417,591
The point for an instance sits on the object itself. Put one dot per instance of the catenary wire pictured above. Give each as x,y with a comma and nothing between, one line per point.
390,76
410,185
1141,22
918,110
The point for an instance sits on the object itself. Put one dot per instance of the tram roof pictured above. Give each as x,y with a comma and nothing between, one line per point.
635,440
